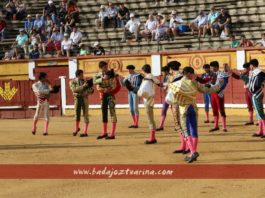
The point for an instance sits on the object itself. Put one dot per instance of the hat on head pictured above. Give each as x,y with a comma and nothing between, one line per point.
65,35
131,15
102,6
21,30
130,67
96,44
29,16
50,2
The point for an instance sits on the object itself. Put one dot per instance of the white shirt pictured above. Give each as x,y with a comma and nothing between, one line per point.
177,19
76,37
201,20
66,45
102,14
262,42
133,25
151,25
112,12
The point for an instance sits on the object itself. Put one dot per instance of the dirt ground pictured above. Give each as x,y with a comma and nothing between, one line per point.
18,146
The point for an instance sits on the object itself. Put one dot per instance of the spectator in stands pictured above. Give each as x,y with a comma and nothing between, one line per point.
212,21
62,12
76,36
244,42
150,26
234,43
11,10
262,41
162,28
98,49
29,24
175,21
132,28
73,10
69,24
224,23
38,23
123,16
21,10
19,53
49,25
9,55
199,23
112,15
22,41
2,29
54,42
35,53
66,45
51,10
83,51
34,39
101,21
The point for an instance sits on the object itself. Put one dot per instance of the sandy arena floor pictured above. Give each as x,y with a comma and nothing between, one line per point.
18,146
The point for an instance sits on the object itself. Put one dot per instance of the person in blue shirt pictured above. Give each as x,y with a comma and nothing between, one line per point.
28,24
34,54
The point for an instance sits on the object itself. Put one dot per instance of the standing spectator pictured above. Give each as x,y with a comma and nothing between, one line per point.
21,10
132,28
101,21
11,10
175,21
66,45
22,41
112,15
98,49
262,41
83,51
212,21
224,23
35,53
29,24
234,43
2,29
38,23
50,9
123,16
149,27
199,23
73,10
244,42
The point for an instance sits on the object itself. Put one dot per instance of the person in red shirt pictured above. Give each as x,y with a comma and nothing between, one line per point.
2,29
244,42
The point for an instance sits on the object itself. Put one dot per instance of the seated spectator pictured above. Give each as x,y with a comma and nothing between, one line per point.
9,55
38,23
62,12
73,10
29,24
234,43
112,16
19,53
175,21
2,29
35,53
69,24
261,42
66,45
51,10
22,41
162,28
224,23
21,10
98,49
49,25
123,16
212,21
149,27
83,51
54,42
244,42
103,13
199,23
11,10
132,28
76,36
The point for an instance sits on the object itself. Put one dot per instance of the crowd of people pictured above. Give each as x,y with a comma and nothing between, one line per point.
55,31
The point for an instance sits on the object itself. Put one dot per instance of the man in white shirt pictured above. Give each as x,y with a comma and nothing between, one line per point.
66,45
199,23
261,42
103,13
132,28
175,21
76,36
149,27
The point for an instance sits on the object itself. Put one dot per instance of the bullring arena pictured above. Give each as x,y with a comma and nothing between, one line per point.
230,164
